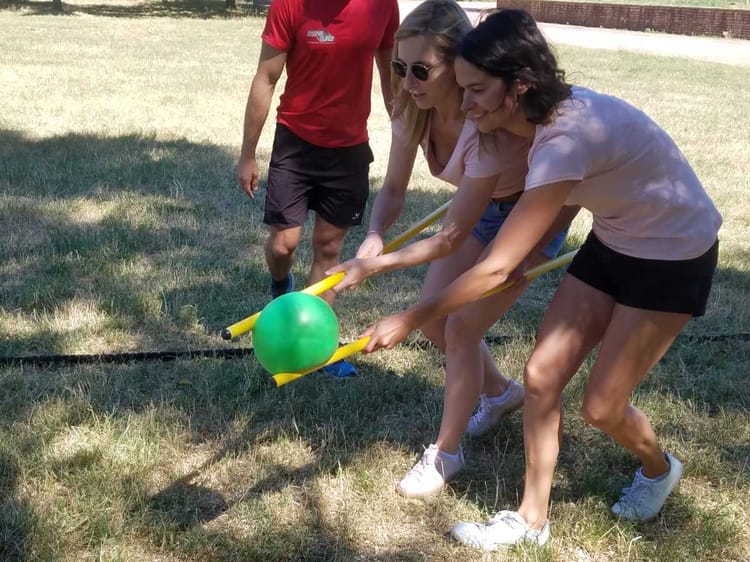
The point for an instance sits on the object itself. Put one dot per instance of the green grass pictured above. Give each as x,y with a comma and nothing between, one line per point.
123,230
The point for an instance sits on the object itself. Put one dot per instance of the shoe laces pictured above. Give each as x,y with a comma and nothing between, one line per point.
637,492
509,518
428,459
484,408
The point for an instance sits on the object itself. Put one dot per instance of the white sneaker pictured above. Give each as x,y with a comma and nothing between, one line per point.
431,472
492,410
506,528
645,497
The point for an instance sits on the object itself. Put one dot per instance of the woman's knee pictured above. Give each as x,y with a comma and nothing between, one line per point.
602,412
461,331
540,381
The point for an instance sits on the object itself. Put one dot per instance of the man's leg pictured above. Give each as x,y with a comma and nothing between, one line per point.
339,201
286,204
280,247
327,242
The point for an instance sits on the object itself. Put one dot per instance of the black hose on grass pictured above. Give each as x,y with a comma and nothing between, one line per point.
234,353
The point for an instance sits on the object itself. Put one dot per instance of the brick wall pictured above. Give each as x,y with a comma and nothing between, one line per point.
669,19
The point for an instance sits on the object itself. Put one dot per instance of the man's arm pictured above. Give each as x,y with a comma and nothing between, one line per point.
270,67
383,62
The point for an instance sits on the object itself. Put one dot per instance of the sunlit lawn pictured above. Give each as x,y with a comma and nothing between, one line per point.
124,231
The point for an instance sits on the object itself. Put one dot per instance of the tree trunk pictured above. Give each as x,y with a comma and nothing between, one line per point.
57,5
230,4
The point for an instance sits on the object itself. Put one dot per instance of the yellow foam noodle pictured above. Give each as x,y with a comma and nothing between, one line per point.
342,352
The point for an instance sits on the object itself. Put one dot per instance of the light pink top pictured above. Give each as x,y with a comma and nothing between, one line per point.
503,154
645,198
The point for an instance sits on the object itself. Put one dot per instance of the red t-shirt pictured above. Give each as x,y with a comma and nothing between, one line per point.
330,46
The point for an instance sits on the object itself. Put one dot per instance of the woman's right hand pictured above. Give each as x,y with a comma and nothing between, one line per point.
356,271
390,331
372,246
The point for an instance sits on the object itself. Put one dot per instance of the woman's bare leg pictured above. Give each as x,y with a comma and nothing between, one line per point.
574,323
442,273
635,341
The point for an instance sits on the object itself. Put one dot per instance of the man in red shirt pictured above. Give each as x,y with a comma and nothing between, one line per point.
321,157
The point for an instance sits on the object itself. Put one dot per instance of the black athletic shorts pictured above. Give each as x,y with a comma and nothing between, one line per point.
680,286
302,177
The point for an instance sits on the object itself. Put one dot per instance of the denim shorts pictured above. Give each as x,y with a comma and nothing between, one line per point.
493,218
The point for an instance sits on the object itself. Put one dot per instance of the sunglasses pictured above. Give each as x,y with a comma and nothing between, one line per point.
420,71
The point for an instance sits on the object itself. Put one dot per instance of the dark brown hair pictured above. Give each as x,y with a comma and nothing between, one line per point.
508,45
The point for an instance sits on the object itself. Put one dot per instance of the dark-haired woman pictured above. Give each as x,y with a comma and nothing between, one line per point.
644,270
427,114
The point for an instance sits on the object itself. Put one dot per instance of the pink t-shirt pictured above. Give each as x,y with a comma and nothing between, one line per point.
645,198
330,45
503,154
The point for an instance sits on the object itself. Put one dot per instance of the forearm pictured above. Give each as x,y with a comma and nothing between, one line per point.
538,215
256,113
464,212
387,99
466,289
386,208
382,62
429,249
525,226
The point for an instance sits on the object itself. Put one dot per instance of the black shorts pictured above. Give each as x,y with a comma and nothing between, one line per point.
680,286
333,182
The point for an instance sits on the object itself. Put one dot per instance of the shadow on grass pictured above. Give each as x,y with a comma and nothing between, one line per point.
187,504
148,234
15,515
176,9
152,234
119,258
331,418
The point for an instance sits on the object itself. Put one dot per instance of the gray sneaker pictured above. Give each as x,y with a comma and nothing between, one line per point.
506,528
430,474
645,497
489,414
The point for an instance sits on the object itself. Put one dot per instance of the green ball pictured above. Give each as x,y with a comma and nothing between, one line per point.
295,332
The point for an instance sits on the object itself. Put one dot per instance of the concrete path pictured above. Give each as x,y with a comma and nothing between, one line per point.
726,51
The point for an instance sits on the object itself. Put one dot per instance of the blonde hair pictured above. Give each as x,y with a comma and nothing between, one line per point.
445,23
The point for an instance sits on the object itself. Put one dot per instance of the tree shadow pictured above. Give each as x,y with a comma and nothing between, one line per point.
112,215
212,395
306,412
16,516
187,186
187,504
